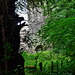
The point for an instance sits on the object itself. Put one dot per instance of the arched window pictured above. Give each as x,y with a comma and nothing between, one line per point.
39,48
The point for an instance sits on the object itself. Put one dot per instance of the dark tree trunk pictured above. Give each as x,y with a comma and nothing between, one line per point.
5,32
6,25
2,38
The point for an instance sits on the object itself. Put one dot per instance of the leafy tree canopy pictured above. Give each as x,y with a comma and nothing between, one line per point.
59,28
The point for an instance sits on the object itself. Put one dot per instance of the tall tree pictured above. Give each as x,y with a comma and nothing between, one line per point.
6,26
59,28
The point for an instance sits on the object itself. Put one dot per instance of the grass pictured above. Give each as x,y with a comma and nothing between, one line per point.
46,58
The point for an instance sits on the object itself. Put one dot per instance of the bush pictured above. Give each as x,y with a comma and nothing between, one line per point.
46,58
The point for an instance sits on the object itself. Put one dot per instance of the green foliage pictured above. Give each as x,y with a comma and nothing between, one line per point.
46,58
8,49
59,30
57,9
61,33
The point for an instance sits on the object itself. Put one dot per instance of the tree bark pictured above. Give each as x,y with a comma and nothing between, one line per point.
3,40
5,13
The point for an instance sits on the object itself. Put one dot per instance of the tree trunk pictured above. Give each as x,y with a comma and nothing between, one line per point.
2,43
5,13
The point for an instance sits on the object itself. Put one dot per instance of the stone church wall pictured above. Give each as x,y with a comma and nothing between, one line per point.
35,22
